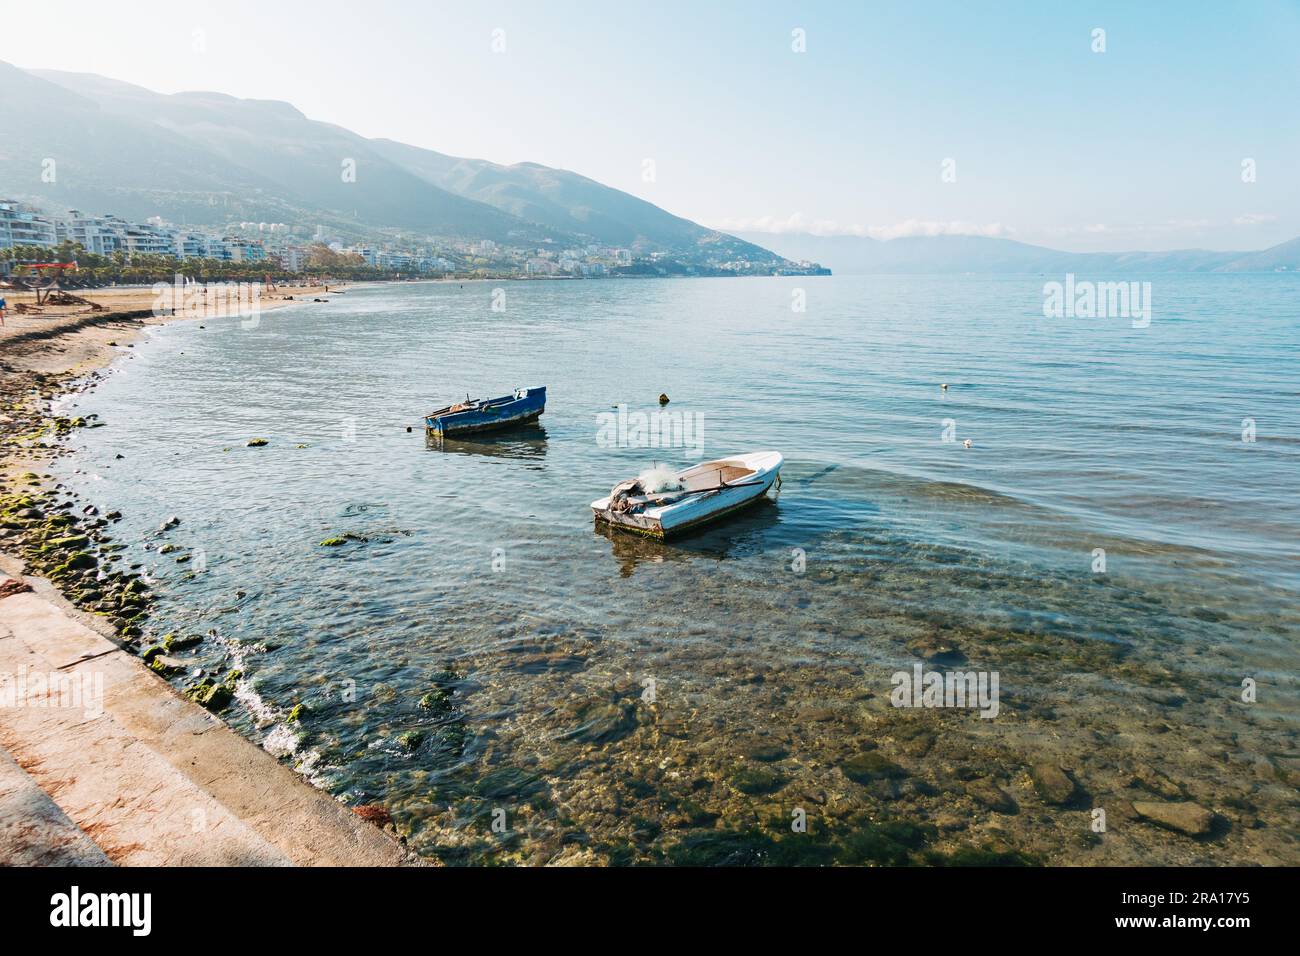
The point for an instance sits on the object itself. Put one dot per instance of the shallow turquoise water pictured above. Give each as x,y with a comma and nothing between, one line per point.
1086,434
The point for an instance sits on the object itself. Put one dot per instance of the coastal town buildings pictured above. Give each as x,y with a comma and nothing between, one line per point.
285,246
22,227
102,235
107,235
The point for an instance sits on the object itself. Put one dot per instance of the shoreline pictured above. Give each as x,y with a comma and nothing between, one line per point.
43,355
926,786
65,610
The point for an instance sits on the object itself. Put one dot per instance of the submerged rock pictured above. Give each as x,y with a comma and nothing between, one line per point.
438,699
765,751
1053,784
542,661
937,650
600,721
754,780
1188,818
869,766
176,642
410,740
1153,781
990,795
163,666
212,695
335,540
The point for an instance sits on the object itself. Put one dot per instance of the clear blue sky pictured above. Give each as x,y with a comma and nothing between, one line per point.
1137,147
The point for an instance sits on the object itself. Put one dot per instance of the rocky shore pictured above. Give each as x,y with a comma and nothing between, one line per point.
47,357
131,806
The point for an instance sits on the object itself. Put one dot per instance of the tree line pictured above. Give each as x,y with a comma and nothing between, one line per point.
94,269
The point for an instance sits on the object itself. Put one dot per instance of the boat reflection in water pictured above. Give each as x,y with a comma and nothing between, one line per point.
744,533
525,442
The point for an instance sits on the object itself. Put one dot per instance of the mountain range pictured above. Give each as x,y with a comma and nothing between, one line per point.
207,159
858,255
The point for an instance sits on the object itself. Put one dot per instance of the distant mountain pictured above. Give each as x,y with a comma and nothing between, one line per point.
228,158
208,158
58,144
1283,257
560,199
854,255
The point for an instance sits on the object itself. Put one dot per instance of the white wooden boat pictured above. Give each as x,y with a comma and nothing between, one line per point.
702,493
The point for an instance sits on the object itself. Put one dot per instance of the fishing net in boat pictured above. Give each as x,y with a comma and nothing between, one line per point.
655,481
659,479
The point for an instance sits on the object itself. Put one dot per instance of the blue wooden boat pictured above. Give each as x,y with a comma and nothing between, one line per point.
486,414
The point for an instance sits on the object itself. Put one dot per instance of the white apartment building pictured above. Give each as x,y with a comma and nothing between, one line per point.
148,240
396,260
20,227
103,235
293,258
243,250
539,266
108,234
371,256
189,245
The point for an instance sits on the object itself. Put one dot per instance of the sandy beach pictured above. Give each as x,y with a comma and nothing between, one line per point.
42,348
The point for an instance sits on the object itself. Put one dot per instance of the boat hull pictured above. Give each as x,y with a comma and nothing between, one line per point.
685,516
505,412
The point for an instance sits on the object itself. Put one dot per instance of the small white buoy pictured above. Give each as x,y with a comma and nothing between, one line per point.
967,443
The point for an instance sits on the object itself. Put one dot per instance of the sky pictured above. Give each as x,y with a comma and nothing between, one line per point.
895,118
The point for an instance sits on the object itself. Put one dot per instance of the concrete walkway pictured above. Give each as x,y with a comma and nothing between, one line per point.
102,762
33,830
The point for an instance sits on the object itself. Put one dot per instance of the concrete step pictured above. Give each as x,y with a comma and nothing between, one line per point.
135,806
33,830
151,777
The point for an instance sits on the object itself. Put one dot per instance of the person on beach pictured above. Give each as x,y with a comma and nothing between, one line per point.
3,305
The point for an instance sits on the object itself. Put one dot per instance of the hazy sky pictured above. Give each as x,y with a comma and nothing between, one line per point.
1138,147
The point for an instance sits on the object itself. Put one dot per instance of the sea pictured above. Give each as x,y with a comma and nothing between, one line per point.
1101,512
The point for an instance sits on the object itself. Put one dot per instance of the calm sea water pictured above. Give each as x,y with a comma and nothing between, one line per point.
476,575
